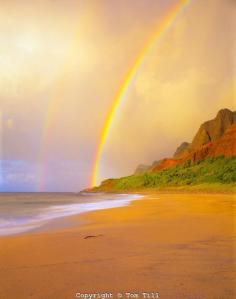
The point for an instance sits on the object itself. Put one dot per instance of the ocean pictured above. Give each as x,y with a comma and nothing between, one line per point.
25,212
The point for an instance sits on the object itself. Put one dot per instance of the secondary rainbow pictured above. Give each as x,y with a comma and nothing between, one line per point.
163,27
55,100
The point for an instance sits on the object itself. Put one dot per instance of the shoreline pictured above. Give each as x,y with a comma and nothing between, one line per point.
59,215
67,221
180,245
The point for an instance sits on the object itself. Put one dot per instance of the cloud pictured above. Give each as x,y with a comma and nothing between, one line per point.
184,81
71,61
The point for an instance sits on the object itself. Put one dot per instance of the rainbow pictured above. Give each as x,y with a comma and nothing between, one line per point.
163,27
54,101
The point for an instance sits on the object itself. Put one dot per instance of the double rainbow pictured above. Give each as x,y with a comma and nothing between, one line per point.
163,27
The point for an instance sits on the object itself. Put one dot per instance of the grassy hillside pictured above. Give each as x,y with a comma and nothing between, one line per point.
213,174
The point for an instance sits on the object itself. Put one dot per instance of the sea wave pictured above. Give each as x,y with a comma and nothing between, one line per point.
15,224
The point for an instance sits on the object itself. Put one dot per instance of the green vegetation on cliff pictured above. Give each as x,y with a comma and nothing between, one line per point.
214,174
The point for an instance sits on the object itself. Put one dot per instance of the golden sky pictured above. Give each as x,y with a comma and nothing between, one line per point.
75,53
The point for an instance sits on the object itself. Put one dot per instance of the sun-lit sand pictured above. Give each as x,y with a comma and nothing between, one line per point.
180,245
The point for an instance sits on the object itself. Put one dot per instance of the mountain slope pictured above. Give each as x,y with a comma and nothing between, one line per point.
181,149
212,130
211,174
209,160
204,144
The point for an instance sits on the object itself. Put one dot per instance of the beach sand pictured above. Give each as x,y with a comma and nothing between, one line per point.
180,245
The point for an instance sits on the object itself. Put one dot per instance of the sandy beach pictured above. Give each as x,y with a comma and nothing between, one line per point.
179,245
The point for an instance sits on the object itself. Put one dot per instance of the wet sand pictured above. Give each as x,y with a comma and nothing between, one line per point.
180,245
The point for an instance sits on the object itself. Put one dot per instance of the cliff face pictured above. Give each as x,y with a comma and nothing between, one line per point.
227,144
212,130
181,149
164,164
214,138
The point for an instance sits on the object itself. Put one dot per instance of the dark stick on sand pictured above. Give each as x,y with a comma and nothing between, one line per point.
91,236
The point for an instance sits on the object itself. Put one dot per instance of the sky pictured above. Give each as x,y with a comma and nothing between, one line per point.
61,63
